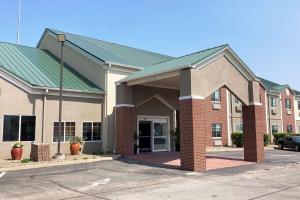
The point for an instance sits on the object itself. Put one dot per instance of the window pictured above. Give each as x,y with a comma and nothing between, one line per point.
274,128
216,130
287,103
91,131
289,128
67,131
216,96
299,105
18,128
237,100
273,102
239,128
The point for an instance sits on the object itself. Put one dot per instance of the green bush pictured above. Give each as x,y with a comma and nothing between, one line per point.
267,139
277,136
237,139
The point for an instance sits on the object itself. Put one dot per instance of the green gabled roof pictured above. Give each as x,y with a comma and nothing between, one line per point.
114,53
272,86
176,63
297,93
40,68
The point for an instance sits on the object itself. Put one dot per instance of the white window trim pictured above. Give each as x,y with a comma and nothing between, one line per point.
216,138
19,136
64,131
92,131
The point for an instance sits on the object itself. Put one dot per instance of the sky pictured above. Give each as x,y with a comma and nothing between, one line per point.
264,33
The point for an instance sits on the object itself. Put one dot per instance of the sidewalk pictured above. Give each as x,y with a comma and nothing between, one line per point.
222,148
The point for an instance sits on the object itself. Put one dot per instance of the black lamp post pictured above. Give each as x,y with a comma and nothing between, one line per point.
61,38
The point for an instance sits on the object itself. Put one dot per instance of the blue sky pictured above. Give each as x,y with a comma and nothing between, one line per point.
265,34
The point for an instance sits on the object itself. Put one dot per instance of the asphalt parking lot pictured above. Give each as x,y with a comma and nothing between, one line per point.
277,178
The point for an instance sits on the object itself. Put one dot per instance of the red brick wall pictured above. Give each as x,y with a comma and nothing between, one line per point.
264,106
125,130
192,135
287,119
253,133
216,116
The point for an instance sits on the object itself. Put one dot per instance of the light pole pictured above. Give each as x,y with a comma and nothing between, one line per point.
61,38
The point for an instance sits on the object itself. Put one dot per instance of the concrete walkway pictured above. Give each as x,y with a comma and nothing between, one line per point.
172,160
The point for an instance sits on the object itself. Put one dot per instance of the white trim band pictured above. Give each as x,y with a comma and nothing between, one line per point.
124,105
190,97
255,104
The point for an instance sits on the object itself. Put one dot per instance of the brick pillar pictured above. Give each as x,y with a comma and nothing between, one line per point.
192,135
253,126
125,130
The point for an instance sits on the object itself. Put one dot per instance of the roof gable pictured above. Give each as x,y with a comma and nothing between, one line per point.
113,53
190,60
40,68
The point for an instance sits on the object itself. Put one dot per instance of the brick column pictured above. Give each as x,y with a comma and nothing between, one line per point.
192,135
253,126
124,129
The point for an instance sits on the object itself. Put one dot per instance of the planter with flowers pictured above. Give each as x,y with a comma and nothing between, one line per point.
75,145
17,151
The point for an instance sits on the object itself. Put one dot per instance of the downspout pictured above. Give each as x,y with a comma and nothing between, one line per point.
231,114
106,106
269,117
44,113
115,122
281,115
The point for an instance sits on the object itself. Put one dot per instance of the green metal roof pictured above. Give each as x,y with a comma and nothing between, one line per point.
297,93
115,53
176,63
272,86
40,68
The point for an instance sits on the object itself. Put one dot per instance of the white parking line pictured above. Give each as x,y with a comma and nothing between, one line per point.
2,174
96,183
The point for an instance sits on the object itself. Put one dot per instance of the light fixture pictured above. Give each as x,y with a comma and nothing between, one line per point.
61,37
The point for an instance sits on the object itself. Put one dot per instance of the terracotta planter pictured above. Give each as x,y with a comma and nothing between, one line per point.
16,153
75,148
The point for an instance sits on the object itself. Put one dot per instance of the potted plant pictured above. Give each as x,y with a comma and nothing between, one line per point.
17,151
75,145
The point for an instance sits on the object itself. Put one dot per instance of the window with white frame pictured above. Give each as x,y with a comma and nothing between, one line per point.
274,128
237,101
273,102
216,130
67,131
289,128
287,103
216,96
91,131
239,128
18,128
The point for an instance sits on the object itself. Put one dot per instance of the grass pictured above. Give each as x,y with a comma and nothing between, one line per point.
25,160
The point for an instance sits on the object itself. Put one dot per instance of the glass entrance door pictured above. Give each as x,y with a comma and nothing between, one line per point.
160,139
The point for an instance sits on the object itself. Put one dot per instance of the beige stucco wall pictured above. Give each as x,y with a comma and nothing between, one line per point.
14,101
208,79
87,67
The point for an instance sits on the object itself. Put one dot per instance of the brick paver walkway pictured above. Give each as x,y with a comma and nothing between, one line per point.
172,160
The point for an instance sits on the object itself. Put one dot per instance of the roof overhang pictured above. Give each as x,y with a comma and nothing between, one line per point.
227,52
37,90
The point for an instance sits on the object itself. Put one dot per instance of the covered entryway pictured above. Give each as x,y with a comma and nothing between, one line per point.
153,133
192,79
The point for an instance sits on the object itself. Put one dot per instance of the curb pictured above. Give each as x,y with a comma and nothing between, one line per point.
61,163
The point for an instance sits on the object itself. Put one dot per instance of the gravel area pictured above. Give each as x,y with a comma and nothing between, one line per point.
11,165
221,149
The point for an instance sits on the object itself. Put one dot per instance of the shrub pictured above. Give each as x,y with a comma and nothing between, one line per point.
237,139
277,136
267,139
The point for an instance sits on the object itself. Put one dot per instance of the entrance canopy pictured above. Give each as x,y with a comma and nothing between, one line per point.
195,77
